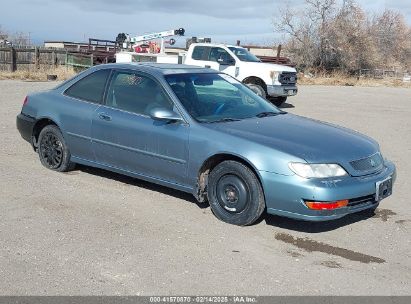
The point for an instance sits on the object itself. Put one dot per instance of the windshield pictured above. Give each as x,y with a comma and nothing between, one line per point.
244,55
218,98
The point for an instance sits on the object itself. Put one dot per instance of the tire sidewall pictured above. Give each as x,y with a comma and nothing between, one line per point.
257,88
256,204
65,163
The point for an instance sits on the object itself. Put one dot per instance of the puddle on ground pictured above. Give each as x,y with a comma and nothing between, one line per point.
311,246
383,214
331,264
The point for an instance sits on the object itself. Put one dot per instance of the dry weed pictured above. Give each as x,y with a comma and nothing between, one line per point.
339,79
62,73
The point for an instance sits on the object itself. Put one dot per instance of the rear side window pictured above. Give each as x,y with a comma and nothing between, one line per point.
198,52
136,93
90,88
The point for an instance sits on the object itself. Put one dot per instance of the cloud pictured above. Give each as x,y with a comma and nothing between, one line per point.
403,6
214,8
223,20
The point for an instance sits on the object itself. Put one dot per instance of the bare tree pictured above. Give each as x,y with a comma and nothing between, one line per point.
352,45
20,39
301,31
3,34
392,35
325,36
307,30
321,10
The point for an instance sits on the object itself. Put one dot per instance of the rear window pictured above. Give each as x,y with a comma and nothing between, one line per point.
198,52
90,88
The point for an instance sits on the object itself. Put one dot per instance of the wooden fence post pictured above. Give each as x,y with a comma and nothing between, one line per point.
13,58
278,53
36,58
53,59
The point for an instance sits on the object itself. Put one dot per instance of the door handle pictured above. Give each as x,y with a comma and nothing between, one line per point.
104,116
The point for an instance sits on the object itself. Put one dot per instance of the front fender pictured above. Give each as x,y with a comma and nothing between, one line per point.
247,74
259,157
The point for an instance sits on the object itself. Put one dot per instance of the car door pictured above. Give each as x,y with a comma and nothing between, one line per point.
215,58
220,60
124,136
77,108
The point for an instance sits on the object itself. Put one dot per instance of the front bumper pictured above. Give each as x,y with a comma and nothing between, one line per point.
25,126
281,91
285,195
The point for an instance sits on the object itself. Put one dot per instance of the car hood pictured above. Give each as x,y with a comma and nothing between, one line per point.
307,139
269,67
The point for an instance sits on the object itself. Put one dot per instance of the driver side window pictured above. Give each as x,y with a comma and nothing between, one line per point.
136,93
218,54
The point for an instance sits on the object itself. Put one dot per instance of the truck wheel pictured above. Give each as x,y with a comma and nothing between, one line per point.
53,151
278,101
259,90
235,194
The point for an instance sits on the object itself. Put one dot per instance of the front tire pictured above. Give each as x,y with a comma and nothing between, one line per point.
259,90
235,194
53,151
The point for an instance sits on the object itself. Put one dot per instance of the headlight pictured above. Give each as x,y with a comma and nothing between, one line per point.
274,76
317,170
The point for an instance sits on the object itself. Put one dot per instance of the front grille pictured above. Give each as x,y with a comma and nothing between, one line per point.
373,162
361,200
288,78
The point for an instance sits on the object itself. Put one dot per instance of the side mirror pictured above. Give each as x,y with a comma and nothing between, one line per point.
164,114
229,61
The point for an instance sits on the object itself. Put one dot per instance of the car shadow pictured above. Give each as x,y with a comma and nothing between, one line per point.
316,227
271,220
141,183
287,105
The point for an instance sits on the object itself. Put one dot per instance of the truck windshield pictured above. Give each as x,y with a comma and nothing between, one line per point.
212,98
244,55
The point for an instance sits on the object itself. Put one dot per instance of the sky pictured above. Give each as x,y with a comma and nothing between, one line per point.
223,20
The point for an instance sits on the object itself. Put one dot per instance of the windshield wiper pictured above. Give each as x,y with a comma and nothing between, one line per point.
226,119
265,114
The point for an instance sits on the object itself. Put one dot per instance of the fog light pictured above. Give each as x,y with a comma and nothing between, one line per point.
327,205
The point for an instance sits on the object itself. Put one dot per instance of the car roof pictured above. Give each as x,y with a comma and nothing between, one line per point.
159,68
218,45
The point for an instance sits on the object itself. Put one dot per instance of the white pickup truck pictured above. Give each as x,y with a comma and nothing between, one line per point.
271,81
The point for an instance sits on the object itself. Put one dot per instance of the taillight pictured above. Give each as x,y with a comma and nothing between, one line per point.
327,205
26,100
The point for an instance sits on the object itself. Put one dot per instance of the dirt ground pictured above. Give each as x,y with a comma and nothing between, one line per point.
92,232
